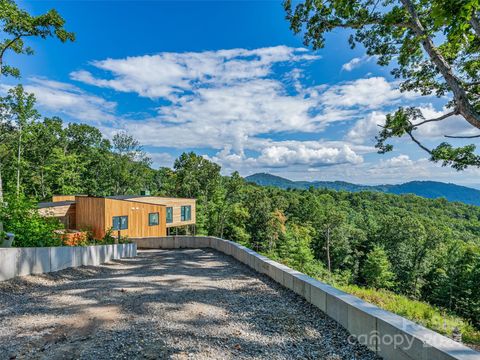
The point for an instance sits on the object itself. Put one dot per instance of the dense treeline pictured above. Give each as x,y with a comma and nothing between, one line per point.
424,249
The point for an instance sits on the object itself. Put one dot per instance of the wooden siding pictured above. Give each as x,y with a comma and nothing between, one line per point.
56,198
91,215
137,213
175,203
65,213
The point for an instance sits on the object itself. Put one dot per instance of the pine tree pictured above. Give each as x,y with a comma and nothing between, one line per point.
377,269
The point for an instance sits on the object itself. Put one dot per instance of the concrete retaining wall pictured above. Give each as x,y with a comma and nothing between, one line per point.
26,261
390,336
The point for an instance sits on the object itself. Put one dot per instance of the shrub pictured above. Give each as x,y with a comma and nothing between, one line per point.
20,216
78,238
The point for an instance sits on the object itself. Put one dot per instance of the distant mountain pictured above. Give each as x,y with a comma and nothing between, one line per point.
427,189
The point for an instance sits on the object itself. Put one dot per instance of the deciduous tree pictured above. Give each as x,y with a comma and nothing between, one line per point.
434,46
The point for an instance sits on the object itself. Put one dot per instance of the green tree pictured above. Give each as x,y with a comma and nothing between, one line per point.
130,165
435,46
17,24
21,217
19,107
197,177
377,269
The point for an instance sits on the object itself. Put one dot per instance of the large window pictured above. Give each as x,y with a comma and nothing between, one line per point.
169,214
186,213
153,219
120,222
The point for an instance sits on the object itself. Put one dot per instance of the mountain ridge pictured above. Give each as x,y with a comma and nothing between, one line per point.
424,188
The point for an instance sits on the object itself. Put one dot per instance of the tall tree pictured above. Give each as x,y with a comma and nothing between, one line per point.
130,164
377,270
19,106
435,45
16,25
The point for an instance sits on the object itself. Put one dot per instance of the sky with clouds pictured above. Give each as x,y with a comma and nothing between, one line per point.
229,81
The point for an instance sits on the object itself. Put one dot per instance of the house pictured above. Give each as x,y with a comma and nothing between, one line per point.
133,216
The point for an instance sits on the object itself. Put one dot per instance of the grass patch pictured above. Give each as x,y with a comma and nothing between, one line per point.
417,311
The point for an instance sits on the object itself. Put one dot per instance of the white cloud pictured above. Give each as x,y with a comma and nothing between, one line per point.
236,101
66,99
365,130
287,154
396,162
454,125
370,93
356,62
165,75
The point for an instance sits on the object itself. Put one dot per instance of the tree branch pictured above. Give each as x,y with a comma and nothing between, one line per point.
462,137
419,143
475,22
358,25
443,117
7,46
465,108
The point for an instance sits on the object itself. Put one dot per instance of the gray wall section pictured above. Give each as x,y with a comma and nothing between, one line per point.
389,335
25,261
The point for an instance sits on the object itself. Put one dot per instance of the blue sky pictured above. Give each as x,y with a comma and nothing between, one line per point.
229,81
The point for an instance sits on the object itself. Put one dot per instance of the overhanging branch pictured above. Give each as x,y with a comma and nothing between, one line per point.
440,118
462,136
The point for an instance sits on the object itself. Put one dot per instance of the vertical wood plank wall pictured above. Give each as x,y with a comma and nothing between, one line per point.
137,213
91,215
176,204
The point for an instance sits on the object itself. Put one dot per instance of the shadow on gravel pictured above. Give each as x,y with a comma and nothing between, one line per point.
128,308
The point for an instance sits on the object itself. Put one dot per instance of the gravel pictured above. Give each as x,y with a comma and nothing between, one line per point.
174,304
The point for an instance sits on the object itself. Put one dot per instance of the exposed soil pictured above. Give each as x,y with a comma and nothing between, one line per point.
175,304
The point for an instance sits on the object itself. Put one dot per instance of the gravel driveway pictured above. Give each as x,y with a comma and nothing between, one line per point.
176,304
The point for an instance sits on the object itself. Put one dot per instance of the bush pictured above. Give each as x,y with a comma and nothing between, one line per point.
78,238
20,216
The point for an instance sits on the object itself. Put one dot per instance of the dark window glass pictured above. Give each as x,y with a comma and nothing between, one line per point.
153,219
169,215
120,222
186,213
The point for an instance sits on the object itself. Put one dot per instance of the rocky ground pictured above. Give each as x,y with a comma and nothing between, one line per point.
174,304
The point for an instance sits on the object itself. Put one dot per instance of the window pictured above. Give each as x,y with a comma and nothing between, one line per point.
169,215
153,219
120,222
186,213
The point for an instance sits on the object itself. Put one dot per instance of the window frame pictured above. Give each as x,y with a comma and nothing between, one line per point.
149,218
169,220
120,217
183,213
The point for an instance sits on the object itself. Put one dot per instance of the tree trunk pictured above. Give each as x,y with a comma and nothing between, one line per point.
19,153
1,197
463,106
328,251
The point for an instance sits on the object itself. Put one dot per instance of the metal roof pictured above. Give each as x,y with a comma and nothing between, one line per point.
54,204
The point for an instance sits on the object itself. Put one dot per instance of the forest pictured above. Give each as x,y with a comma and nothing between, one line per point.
400,252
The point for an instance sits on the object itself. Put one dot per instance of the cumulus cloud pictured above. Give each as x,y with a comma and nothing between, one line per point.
236,101
370,93
365,129
166,75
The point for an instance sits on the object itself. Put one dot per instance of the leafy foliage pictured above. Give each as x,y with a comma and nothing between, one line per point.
433,45
377,269
17,24
20,217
